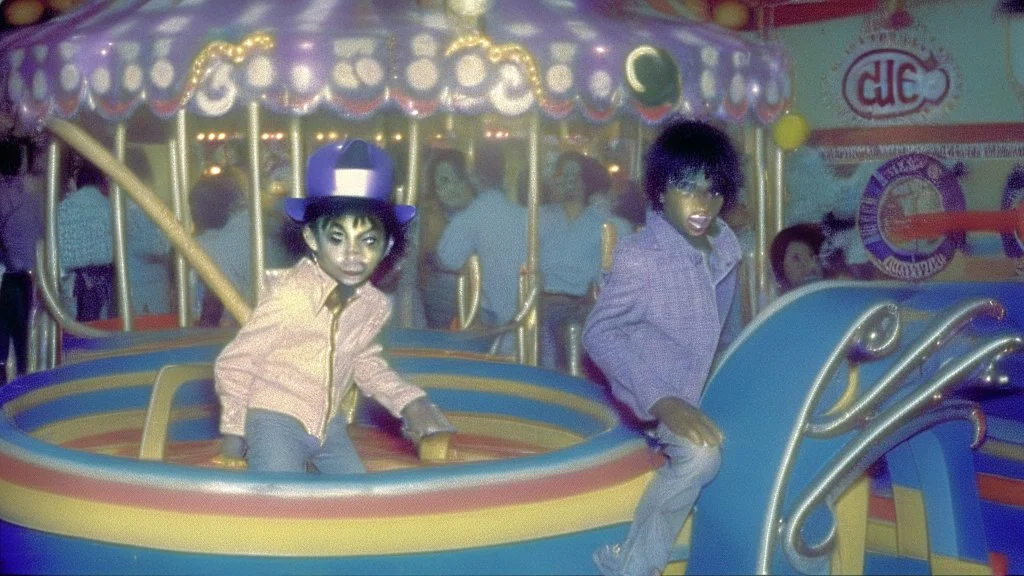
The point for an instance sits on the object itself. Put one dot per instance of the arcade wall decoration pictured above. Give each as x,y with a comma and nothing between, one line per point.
903,187
893,74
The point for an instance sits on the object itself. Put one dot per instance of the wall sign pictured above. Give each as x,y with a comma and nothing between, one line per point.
904,186
893,77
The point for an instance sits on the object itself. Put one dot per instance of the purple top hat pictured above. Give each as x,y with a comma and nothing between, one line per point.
348,173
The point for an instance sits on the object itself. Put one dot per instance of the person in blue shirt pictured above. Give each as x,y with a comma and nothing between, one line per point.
21,226
222,228
570,248
656,325
494,227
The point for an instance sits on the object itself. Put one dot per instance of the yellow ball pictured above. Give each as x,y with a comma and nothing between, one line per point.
23,12
731,14
63,5
790,131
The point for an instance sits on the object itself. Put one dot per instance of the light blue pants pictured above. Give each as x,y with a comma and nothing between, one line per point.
279,443
664,506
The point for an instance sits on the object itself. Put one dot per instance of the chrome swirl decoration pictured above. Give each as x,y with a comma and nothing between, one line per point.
874,335
219,51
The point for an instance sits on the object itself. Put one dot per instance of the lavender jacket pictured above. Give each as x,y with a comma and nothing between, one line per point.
657,322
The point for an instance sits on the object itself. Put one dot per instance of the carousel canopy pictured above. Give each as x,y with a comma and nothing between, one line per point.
358,57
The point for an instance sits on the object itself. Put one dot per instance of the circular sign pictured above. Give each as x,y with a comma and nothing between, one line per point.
904,186
1012,195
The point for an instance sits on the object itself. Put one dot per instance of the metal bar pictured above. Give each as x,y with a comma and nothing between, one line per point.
295,134
181,141
637,169
779,191
255,209
52,199
180,266
529,346
119,230
407,292
762,242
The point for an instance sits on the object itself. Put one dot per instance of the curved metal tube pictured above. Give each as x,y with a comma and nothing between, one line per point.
67,323
845,468
871,317
522,317
941,330
875,441
155,209
468,292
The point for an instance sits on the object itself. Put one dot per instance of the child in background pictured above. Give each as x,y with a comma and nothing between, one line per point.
313,333
657,323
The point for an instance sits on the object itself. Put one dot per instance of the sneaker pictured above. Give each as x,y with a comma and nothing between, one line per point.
608,559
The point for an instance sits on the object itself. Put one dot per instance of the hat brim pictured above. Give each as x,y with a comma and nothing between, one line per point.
298,209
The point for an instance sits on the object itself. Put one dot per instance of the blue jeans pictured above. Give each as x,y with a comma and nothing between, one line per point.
279,443
664,506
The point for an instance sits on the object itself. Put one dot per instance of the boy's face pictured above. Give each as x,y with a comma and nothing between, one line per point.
348,248
691,207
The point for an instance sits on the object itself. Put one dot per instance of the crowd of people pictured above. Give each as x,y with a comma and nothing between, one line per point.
465,208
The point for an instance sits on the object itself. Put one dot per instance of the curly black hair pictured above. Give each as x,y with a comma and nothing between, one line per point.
688,148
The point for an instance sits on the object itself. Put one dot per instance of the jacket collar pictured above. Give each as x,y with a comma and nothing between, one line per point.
725,248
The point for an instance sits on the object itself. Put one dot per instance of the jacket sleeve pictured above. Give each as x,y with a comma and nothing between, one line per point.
238,364
375,377
618,314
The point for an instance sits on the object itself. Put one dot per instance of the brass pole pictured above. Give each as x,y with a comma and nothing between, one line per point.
295,133
180,266
48,334
53,185
119,230
256,208
532,238
763,239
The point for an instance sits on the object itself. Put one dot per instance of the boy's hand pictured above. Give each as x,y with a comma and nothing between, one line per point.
686,421
232,446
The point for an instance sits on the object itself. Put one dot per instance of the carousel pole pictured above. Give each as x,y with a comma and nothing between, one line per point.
180,266
295,149
180,167
255,193
48,333
118,220
407,281
52,200
528,330
763,238
637,170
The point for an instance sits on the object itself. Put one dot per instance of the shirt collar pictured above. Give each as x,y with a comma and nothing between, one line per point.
324,283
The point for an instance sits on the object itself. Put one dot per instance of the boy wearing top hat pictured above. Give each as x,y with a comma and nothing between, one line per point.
313,333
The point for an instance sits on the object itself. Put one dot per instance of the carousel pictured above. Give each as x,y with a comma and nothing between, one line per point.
852,449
